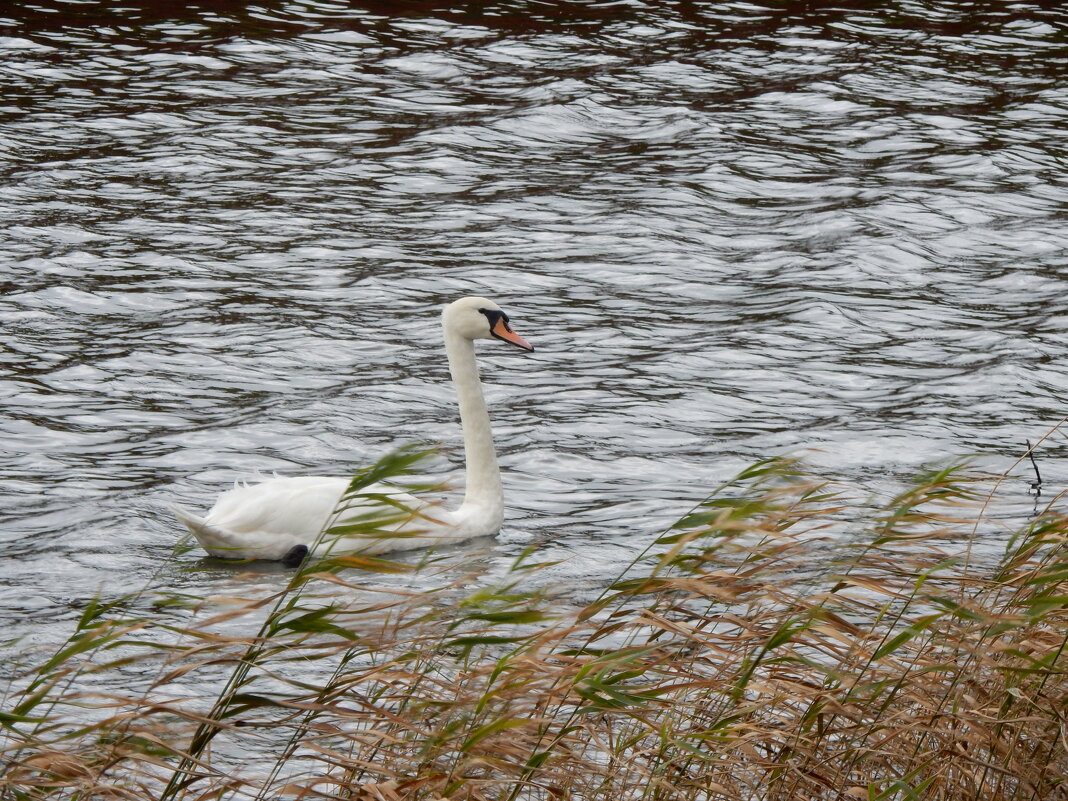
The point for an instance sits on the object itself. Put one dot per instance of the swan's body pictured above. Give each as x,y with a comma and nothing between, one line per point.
275,518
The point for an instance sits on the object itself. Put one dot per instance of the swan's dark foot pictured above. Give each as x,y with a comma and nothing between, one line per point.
295,555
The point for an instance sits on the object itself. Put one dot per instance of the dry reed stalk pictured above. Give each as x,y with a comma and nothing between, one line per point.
778,643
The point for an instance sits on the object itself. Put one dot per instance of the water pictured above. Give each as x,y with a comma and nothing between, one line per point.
731,231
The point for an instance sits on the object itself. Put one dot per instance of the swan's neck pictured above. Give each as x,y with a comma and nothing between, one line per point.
483,500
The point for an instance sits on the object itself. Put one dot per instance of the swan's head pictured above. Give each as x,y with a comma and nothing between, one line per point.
480,318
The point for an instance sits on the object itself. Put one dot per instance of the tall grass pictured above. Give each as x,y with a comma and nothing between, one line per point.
781,641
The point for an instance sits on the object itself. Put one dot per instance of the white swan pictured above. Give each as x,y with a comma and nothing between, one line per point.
281,518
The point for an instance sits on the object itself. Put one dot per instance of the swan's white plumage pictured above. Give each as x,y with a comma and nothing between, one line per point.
268,519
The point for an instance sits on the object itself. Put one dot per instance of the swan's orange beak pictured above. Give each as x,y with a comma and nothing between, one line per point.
502,330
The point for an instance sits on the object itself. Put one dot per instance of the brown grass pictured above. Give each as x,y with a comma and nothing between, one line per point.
780,642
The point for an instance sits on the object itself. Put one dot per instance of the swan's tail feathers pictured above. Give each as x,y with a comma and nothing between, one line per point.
214,540
187,518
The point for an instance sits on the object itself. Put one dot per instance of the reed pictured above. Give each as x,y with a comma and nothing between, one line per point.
781,641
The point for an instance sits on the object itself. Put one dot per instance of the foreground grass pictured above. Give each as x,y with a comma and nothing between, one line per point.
779,642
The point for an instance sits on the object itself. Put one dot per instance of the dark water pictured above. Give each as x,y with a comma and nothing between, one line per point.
731,230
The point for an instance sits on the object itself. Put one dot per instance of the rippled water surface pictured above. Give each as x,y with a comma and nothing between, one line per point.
732,231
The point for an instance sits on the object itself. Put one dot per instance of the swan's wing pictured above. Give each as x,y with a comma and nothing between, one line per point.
269,519
294,507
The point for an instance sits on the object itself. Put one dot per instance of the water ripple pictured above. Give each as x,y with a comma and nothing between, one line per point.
731,230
